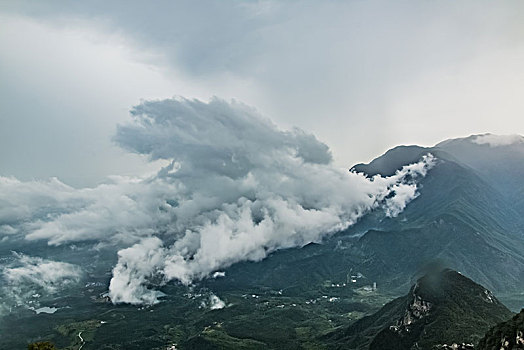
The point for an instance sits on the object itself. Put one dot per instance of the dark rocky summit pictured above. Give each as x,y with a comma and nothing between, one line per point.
443,310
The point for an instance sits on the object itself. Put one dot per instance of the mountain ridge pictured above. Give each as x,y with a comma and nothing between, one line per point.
458,218
442,307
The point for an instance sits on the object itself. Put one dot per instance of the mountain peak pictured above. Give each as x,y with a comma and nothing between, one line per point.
391,161
442,307
440,285
437,292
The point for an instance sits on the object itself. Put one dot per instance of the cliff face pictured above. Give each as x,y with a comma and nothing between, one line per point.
417,309
443,310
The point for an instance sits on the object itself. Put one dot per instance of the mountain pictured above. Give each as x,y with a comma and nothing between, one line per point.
466,217
460,218
465,214
442,307
497,160
506,335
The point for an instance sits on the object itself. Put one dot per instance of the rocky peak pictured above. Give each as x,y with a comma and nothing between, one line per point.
417,309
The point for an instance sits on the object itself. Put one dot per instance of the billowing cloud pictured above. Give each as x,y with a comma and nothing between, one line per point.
136,265
236,188
498,140
246,187
400,194
218,137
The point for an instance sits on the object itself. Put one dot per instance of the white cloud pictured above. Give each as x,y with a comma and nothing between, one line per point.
249,188
236,189
498,140
136,266
215,303
121,210
219,274
403,192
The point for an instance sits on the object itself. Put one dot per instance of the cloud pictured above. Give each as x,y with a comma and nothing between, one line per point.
401,194
212,302
219,137
236,188
137,265
25,201
498,140
219,274
215,303
452,65
248,187
27,276
119,211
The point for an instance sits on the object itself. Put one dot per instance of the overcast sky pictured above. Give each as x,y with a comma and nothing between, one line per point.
363,76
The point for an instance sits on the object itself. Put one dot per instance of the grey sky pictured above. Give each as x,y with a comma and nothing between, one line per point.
362,76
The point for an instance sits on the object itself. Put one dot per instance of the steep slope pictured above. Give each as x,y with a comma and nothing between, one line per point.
459,218
499,159
442,307
506,335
